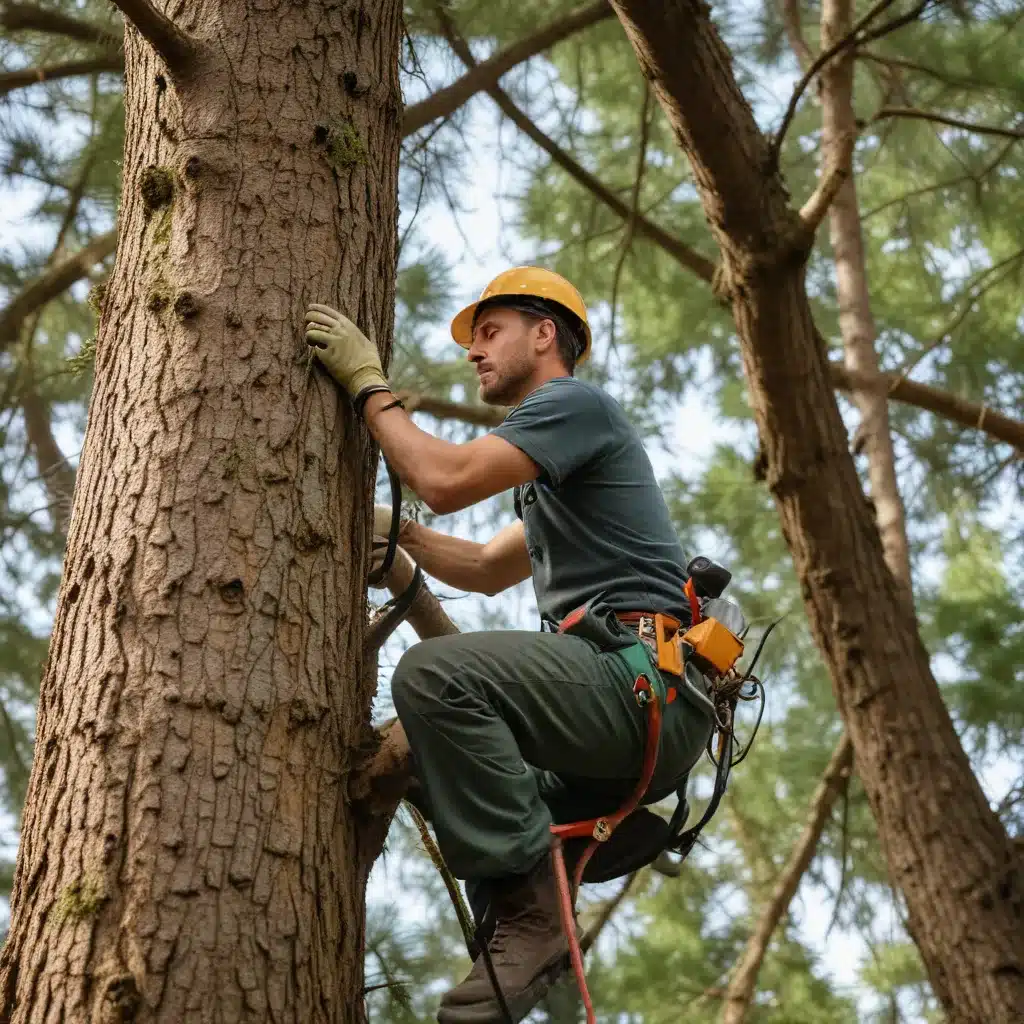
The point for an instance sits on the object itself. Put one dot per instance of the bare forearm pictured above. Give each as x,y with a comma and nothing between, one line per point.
452,560
422,461
447,476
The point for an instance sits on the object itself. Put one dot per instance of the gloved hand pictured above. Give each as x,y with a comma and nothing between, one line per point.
381,529
381,520
346,353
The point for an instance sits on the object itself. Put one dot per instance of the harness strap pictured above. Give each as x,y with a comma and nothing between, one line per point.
650,693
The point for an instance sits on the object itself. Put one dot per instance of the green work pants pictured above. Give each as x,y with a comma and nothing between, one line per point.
511,731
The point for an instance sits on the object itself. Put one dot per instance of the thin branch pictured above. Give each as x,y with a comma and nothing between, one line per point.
31,18
791,22
742,985
683,254
607,910
952,122
21,768
981,286
844,861
23,77
476,414
57,474
426,613
855,37
486,74
896,23
50,284
171,44
968,414
922,69
462,911
634,207
812,213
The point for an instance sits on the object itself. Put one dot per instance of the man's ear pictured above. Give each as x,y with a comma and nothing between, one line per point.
547,336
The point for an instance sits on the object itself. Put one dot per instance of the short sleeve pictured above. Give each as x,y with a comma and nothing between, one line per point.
562,426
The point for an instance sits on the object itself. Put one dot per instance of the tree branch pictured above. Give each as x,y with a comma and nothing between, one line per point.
857,36
608,908
486,74
476,414
426,614
171,44
744,980
833,177
683,254
23,77
968,414
853,296
382,780
952,122
30,18
380,783
790,10
50,284
56,473
923,69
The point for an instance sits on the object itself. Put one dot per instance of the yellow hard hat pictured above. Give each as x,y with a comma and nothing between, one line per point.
521,282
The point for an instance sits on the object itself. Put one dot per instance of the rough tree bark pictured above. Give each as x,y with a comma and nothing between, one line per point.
188,850
961,876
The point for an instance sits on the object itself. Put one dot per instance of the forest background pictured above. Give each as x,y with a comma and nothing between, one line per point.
571,164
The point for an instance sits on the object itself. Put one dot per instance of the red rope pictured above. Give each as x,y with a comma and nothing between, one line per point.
602,827
565,904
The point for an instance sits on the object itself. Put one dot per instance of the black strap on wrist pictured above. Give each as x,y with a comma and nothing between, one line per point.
391,405
360,400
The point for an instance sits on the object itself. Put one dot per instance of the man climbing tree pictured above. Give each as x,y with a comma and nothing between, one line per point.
187,852
512,730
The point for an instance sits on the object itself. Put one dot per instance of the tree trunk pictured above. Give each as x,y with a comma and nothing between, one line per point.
188,851
961,876
856,322
857,326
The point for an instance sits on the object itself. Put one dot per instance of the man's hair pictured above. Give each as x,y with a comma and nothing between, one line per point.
569,336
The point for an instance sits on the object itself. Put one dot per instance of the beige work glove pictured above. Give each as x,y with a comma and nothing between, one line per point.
346,353
381,529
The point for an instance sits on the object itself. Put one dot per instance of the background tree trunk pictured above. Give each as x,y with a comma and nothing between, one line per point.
857,326
188,852
946,849
856,322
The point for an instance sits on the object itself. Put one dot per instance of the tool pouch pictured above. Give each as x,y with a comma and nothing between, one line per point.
597,623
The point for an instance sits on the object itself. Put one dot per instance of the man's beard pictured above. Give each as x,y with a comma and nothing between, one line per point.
506,388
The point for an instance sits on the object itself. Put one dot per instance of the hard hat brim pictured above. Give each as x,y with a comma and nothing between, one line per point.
462,323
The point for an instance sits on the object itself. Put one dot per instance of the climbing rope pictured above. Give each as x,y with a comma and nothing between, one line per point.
472,936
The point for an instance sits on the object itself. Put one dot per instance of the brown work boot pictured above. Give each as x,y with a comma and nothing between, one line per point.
528,949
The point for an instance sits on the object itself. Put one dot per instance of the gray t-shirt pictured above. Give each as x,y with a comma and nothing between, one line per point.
596,521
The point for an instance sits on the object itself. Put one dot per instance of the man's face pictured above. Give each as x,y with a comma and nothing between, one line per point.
502,351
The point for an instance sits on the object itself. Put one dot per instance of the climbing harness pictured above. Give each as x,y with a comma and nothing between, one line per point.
662,647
